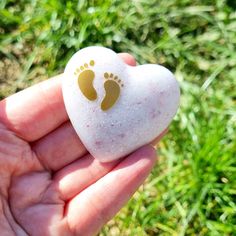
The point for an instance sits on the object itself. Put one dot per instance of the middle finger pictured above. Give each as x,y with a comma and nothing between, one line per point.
59,148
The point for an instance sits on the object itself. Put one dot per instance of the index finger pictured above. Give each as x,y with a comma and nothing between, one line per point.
35,111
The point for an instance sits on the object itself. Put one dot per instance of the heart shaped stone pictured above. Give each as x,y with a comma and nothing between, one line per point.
116,108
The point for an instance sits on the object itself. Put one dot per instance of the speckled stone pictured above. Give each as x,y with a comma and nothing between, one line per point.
148,101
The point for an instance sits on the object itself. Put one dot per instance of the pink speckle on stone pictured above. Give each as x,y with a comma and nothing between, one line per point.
121,135
154,114
162,93
98,143
87,126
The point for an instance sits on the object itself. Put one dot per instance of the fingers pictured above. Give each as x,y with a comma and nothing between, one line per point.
128,59
79,175
35,111
92,208
38,110
59,148
54,154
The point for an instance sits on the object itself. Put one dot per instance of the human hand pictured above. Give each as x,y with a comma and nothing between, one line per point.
49,183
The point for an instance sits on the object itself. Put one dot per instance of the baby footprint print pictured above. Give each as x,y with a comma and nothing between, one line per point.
85,80
112,86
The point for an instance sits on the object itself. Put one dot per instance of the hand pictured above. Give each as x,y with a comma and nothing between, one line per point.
49,183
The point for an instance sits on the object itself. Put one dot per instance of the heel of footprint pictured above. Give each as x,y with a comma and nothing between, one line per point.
112,86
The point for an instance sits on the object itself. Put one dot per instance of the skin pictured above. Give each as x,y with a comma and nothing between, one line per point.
49,183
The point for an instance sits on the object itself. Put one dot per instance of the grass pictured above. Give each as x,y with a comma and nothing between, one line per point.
192,191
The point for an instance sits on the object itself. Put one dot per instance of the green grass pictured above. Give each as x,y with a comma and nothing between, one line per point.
192,191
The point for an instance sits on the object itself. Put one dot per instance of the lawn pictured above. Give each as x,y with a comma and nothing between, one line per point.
192,190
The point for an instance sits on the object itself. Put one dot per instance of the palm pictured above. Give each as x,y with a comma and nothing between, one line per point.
29,205
49,184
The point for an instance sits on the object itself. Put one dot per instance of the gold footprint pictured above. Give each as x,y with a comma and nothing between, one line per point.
112,87
85,80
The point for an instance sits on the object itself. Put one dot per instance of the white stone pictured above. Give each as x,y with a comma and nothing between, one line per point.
147,103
